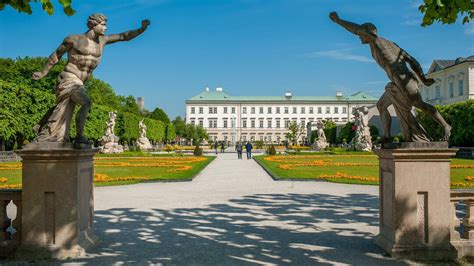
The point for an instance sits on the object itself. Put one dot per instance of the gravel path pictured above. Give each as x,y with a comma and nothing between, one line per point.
234,213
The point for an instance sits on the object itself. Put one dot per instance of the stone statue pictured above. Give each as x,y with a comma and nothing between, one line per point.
109,141
403,90
362,139
321,142
143,143
84,54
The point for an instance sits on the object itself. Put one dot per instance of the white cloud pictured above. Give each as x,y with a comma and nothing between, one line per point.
341,54
469,29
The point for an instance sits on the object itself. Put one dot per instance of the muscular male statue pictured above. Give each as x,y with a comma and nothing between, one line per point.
84,54
403,90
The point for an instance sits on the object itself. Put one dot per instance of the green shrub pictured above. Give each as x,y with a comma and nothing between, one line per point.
461,118
259,144
271,150
197,151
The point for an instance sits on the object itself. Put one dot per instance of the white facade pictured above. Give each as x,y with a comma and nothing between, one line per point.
454,81
266,118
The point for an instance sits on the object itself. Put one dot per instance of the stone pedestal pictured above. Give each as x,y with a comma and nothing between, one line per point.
414,191
58,201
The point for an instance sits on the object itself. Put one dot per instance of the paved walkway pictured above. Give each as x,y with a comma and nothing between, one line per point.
234,213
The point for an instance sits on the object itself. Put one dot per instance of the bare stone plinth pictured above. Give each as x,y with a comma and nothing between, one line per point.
58,202
415,202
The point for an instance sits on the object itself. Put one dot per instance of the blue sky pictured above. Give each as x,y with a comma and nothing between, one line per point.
248,47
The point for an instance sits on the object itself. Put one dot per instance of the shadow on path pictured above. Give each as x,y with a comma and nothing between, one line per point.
264,228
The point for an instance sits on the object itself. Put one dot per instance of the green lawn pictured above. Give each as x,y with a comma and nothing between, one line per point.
357,168
127,169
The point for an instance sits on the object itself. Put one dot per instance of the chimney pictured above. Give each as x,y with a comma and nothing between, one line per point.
338,94
288,95
207,88
219,89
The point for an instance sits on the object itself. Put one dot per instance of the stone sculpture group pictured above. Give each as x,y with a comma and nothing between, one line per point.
143,143
321,143
362,139
109,142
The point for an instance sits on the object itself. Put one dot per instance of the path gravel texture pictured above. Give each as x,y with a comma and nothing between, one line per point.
233,213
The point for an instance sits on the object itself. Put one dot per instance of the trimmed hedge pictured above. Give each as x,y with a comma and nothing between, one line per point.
461,118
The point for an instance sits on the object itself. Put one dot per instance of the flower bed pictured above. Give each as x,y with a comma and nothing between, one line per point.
348,168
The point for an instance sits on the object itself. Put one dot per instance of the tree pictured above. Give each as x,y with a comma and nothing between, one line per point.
159,114
294,132
446,11
179,126
129,105
330,131
24,6
101,93
170,132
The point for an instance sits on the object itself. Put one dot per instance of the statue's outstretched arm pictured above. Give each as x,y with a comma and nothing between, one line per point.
352,27
128,35
54,58
416,67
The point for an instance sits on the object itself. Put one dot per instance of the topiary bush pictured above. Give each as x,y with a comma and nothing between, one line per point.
271,150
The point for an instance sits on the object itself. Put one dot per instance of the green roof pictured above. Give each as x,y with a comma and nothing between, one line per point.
222,96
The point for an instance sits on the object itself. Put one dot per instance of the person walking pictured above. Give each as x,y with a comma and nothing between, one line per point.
222,147
238,148
215,146
249,147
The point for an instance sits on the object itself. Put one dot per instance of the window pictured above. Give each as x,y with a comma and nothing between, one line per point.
451,89
225,123
252,123
269,110
438,92
269,138
269,123
311,110
278,123
244,110
303,110
233,110
225,110
303,123
201,122
320,110
461,87
260,111
244,138
344,110
287,123
211,109
353,109
336,110
277,111
261,138
286,110
193,121
193,110
328,110
201,110
244,123
252,111
260,123
294,110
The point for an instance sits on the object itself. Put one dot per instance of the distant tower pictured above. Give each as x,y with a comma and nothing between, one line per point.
141,103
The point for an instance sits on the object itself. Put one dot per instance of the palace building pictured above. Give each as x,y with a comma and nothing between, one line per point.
232,118
454,81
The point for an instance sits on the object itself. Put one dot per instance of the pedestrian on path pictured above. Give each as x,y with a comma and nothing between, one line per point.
238,148
222,147
215,146
249,147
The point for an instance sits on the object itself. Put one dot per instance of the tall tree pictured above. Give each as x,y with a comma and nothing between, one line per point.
24,6
128,104
160,115
102,93
179,126
446,11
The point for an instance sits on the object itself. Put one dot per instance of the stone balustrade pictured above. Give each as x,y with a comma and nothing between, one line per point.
462,228
10,220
